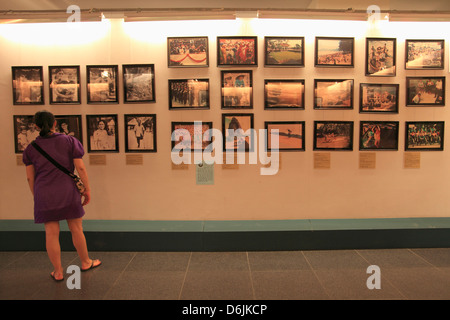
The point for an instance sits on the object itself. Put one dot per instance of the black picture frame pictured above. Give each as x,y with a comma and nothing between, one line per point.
102,84
291,135
70,125
425,91
64,85
333,135
140,133
332,52
424,135
236,121
189,94
285,94
237,89
381,57
378,135
190,126
28,85
138,83
102,133
333,94
25,131
187,52
429,56
379,98
284,51
237,51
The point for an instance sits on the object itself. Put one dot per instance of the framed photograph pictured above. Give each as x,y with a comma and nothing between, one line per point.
70,125
236,133
64,84
284,51
241,51
102,132
102,84
284,94
28,85
381,57
333,135
378,135
140,132
425,91
334,52
291,135
198,138
424,136
237,89
25,131
425,54
138,83
378,98
333,94
189,94
187,52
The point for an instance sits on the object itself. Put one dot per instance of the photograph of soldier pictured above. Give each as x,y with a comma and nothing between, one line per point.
379,97
381,57
334,52
333,135
291,135
139,83
378,135
187,52
64,85
140,132
424,54
237,91
333,94
280,94
284,51
425,91
425,136
237,51
28,85
189,94
102,84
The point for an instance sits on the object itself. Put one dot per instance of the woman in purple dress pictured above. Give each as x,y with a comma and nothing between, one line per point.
56,196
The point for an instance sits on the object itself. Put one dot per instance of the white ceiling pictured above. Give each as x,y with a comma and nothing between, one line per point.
404,5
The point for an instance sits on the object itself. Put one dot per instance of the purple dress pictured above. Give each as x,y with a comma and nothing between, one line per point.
56,196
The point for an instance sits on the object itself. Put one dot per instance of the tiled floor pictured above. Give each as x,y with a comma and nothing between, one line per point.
294,275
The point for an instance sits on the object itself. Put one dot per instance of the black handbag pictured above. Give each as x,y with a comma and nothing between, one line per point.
76,179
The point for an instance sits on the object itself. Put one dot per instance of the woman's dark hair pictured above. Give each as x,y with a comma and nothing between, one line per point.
44,120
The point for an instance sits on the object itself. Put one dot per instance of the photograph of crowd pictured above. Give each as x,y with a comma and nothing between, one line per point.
333,135
237,91
140,132
237,51
378,135
187,51
422,91
279,94
333,94
291,135
381,57
379,98
425,136
334,52
28,85
189,93
425,54
64,85
102,82
102,133
139,83
284,51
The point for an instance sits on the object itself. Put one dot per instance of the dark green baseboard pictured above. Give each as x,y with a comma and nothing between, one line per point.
24,235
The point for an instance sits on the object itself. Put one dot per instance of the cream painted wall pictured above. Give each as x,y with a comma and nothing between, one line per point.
154,191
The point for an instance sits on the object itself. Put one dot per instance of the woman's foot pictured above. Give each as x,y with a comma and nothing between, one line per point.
57,276
90,265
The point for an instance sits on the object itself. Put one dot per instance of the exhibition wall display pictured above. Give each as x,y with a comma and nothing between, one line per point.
335,91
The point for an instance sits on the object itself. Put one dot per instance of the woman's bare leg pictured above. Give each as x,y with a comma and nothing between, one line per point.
53,248
79,241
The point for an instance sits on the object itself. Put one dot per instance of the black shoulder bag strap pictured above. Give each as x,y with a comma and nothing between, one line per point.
45,154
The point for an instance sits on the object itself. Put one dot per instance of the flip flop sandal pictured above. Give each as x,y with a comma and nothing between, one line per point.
53,277
92,266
